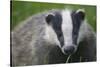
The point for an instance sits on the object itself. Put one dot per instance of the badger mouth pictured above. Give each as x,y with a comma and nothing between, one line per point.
70,52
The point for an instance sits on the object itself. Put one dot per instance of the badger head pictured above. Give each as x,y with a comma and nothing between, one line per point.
63,27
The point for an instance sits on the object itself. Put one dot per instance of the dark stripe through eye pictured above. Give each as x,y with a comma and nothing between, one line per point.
57,26
60,37
77,21
56,22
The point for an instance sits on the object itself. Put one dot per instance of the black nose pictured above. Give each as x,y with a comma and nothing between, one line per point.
69,49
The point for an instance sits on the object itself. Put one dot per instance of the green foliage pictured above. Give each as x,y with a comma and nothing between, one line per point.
22,10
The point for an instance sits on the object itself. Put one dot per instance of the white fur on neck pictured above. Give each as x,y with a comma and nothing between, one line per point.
85,31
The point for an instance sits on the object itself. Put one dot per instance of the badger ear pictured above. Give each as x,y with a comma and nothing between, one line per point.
49,18
81,14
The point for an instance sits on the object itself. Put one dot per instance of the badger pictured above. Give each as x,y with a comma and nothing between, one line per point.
51,37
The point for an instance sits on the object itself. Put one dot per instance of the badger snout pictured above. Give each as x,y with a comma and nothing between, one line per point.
69,50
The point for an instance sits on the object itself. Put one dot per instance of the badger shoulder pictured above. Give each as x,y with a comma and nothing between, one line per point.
86,50
86,32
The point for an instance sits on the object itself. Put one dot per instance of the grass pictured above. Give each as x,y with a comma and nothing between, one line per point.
21,10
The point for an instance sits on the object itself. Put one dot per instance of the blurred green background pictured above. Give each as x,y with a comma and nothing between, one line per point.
21,10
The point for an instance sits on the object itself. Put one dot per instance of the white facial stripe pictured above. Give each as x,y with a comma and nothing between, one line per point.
67,27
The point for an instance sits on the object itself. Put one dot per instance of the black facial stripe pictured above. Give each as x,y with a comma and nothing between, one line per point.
76,19
57,26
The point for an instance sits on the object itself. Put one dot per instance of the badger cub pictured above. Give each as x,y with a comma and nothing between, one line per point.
51,37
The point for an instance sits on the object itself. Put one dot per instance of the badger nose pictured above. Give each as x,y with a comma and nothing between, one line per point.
69,49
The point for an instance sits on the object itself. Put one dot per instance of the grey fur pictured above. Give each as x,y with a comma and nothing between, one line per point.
30,48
